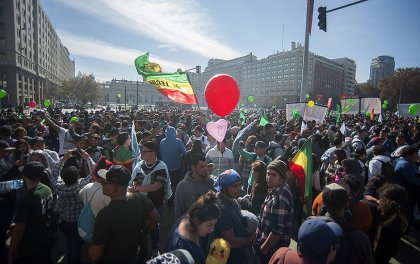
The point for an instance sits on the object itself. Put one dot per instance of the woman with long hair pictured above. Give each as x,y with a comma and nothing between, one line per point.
392,222
197,223
259,189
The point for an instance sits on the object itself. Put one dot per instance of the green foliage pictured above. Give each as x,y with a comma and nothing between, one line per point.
406,80
81,89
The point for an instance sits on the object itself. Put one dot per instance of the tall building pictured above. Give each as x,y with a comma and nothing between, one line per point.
277,79
380,68
349,67
33,60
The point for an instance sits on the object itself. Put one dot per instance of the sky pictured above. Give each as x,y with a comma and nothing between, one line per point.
105,36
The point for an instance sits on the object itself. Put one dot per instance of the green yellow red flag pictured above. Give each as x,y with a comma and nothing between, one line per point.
176,86
301,166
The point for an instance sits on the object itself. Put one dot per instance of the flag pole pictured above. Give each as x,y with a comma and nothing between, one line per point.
195,96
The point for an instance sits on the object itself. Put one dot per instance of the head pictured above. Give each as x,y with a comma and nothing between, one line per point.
359,153
391,196
123,139
19,132
259,169
70,175
198,131
362,133
354,185
276,173
147,136
204,213
318,240
410,154
94,140
401,139
33,172
115,181
339,155
229,183
260,148
196,145
5,149
383,134
39,156
82,142
21,146
199,166
37,143
379,150
335,197
149,151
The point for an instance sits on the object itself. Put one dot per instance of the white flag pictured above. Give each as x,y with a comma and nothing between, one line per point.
303,127
380,118
343,129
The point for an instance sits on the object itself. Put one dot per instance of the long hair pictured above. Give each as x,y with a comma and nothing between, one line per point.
207,207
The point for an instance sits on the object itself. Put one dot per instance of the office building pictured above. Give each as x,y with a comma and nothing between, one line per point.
349,67
380,68
33,60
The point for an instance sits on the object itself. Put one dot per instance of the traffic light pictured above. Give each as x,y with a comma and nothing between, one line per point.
198,69
322,18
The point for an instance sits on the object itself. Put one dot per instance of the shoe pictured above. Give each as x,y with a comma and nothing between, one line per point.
155,253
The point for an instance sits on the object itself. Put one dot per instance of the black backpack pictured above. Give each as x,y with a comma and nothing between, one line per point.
388,171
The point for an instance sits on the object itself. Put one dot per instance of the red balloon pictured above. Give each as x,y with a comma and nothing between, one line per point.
222,94
32,104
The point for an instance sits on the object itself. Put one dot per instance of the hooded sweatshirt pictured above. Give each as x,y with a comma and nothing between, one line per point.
188,191
171,150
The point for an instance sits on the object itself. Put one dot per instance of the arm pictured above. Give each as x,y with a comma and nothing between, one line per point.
95,252
149,187
16,237
245,154
153,219
179,201
236,242
51,123
270,243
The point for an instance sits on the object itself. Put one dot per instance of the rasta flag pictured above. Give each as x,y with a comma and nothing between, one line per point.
301,166
176,86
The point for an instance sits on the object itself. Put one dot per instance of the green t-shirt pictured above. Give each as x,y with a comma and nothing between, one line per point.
33,210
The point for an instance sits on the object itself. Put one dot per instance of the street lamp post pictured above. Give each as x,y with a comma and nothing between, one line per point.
21,64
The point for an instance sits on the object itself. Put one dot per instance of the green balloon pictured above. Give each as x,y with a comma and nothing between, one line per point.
351,101
348,108
386,102
412,110
242,104
307,96
2,93
47,103
368,113
245,111
273,106
250,98
295,114
74,119
384,106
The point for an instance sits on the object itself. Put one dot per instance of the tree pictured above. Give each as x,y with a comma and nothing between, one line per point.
368,90
81,89
405,81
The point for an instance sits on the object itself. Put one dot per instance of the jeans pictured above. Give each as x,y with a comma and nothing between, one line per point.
73,242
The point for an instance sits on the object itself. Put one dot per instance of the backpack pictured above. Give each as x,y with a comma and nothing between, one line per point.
388,171
86,220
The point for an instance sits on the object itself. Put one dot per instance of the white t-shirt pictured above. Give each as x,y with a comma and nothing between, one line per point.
93,192
204,141
65,140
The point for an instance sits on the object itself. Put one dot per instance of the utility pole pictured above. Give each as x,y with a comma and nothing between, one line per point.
137,101
125,97
304,86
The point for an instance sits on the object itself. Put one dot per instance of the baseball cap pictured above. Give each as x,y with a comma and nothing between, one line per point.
358,151
5,146
376,140
226,179
33,170
117,174
317,235
335,195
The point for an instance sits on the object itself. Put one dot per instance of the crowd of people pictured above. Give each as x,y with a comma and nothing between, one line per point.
82,179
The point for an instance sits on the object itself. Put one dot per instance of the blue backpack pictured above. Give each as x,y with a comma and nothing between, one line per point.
86,221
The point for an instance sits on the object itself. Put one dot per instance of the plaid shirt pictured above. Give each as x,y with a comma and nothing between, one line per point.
276,216
68,205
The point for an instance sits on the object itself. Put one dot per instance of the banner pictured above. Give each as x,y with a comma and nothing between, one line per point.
366,105
176,86
350,106
317,112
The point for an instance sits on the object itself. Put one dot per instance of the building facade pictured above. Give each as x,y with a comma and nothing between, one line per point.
380,68
130,92
277,79
349,67
33,60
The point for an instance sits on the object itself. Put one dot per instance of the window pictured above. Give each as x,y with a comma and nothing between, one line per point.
1,26
2,41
